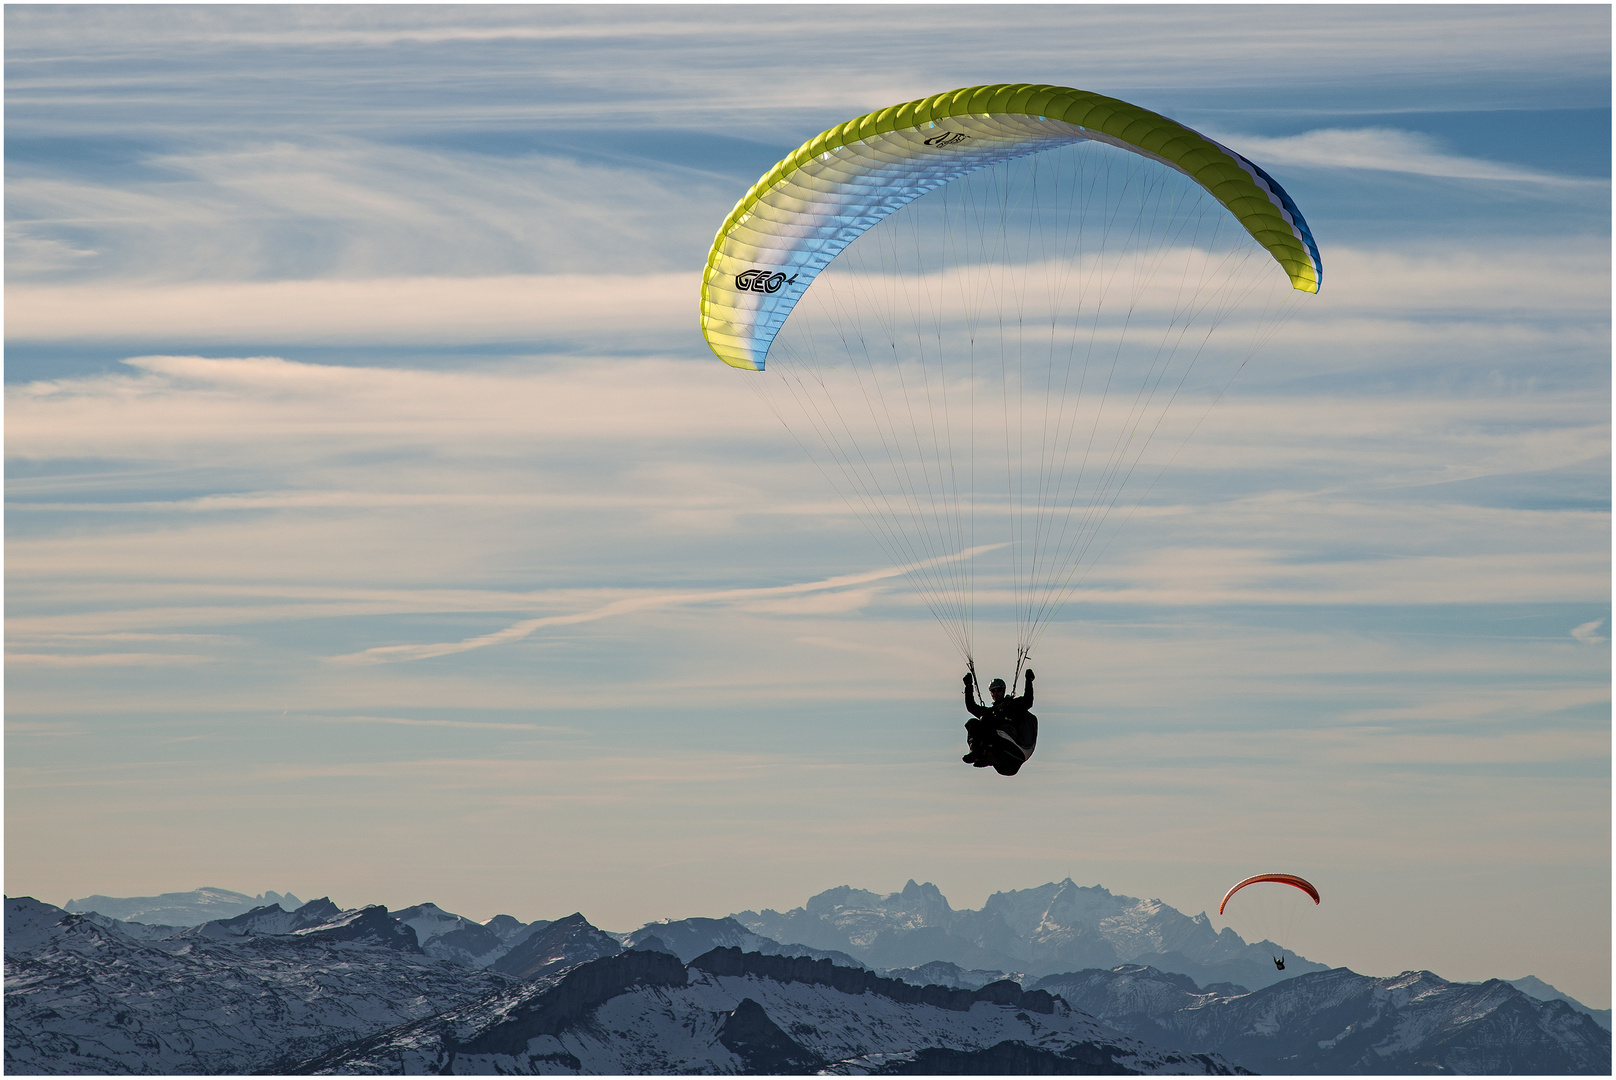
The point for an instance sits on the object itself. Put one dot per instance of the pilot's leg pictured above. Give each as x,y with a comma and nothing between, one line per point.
978,735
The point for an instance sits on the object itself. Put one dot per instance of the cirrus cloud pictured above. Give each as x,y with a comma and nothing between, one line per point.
1386,150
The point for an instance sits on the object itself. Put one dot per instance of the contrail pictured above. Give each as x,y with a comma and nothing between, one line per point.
387,654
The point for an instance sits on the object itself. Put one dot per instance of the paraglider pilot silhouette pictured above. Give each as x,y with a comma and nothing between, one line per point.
1001,735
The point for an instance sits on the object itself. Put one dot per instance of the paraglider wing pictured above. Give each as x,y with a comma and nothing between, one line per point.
814,203
994,315
1280,879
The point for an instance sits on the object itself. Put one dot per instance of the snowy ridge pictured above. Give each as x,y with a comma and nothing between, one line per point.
732,1012
574,939
270,919
689,938
138,931
1341,1022
371,926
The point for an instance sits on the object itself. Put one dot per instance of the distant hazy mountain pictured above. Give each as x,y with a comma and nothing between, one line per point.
727,1012
1057,927
1534,987
942,973
689,938
1339,1022
180,908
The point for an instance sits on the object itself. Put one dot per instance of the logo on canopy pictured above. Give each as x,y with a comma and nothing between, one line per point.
947,138
762,281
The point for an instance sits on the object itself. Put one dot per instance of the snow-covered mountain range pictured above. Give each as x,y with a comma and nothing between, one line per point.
82,997
644,1012
1057,927
321,988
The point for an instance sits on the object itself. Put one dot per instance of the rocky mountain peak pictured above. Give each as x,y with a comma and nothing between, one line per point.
568,941
320,909
30,924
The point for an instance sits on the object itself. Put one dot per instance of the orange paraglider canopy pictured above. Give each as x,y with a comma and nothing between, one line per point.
1282,879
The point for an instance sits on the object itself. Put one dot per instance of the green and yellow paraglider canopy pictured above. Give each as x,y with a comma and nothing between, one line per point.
834,187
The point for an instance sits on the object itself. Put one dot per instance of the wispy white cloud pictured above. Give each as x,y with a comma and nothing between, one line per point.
1207,577
82,639
348,210
1387,150
1394,744
518,631
1398,439
654,70
378,544
120,659
285,416
353,500
587,310
43,729
1460,713
405,721
908,654
1482,281
1390,295
1588,633
181,402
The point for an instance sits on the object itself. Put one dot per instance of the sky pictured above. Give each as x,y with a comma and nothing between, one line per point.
379,525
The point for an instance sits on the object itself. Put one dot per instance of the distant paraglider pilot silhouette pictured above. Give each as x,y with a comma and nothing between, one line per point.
1001,735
